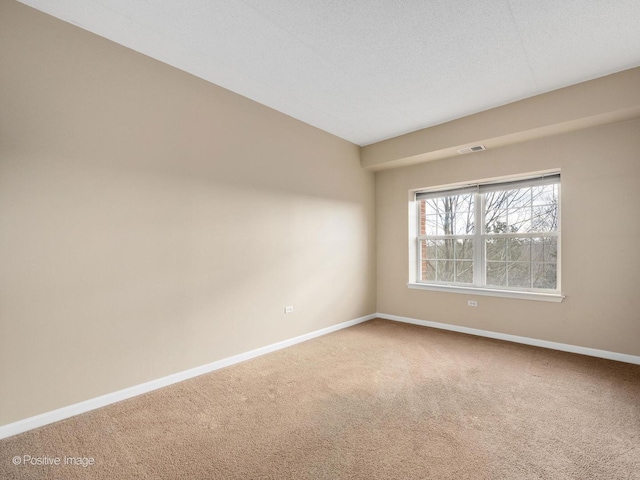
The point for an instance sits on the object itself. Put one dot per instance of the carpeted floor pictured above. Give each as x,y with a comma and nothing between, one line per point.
378,400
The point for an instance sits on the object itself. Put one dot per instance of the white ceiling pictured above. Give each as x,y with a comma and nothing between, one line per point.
367,70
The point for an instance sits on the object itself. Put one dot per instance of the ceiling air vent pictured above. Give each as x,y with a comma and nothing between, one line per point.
475,148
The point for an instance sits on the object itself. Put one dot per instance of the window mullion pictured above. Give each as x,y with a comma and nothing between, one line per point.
478,250
418,264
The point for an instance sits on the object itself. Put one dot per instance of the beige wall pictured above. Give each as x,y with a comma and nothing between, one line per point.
600,239
151,222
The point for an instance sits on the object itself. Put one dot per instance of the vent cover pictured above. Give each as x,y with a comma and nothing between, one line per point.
474,148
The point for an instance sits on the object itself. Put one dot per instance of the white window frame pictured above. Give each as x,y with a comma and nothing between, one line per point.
479,268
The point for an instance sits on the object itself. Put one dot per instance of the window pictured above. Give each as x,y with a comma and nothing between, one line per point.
495,237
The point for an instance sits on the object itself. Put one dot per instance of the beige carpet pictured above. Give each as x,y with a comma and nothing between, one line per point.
378,400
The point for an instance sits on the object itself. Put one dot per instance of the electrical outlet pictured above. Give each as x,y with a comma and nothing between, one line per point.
288,309
472,303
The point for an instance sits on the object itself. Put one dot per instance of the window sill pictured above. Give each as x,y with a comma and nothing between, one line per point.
489,292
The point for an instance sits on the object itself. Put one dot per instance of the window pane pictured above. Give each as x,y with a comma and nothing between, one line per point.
496,249
464,249
428,271
451,215
544,249
519,198
496,218
545,275
497,274
445,270
464,223
444,249
519,249
550,249
465,214
537,249
466,202
464,272
544,218
445,215
427,249
519,275
545,195
519,220
445,223
431,225
428,215
454,203
447,260
522,210
440,204
496,200
430,206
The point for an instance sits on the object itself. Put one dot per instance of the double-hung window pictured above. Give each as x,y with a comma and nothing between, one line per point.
490,237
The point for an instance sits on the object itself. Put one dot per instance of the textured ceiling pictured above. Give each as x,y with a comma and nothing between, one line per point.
367,70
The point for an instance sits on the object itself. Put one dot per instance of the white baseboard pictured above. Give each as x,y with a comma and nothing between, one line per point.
564,347
98,402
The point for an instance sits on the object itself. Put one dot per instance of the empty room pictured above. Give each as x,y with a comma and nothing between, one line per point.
319,240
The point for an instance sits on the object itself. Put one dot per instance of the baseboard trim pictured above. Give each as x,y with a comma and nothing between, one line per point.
43,419
564,347
53,416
